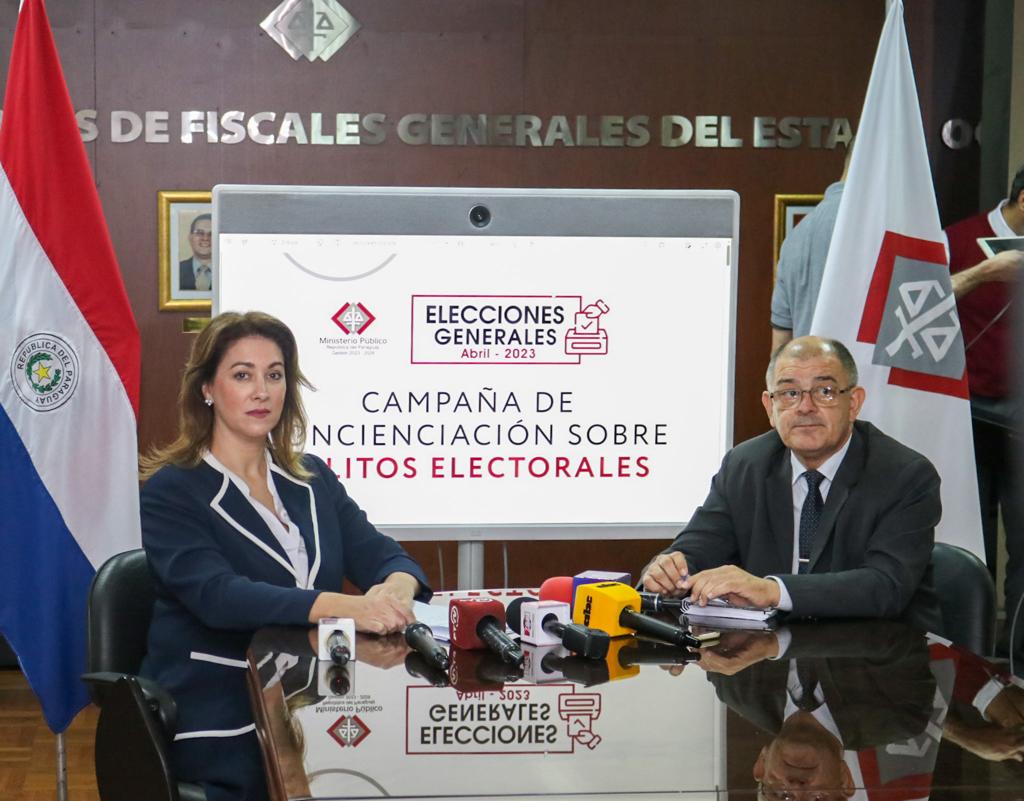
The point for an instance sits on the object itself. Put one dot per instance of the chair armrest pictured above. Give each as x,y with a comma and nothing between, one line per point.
157,698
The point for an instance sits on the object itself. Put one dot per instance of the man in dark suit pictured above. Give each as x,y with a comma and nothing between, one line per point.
195,272
824,516
826,691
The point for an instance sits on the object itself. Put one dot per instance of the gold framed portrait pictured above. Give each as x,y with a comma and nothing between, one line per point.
185,243
789,210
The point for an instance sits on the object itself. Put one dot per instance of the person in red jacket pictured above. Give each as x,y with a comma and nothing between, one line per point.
984,289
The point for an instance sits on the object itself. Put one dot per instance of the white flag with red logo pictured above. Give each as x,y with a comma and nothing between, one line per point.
886,290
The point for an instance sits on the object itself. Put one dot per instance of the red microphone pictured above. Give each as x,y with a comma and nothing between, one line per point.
557,588
466,675
478,623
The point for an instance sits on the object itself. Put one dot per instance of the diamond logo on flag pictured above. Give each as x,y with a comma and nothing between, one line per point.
920,324
910,317
311,28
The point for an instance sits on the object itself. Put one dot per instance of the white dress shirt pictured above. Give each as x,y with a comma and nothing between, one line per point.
828,470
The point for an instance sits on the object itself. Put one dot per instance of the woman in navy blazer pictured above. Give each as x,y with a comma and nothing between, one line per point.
243,531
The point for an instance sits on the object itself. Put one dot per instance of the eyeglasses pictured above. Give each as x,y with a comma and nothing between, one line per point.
823,395
202,234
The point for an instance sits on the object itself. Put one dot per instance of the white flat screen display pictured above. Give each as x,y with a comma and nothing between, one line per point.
504,381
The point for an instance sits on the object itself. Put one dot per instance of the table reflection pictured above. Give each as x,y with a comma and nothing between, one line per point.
866,710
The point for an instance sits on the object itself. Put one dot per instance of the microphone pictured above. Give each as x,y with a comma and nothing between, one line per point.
540,663
612,607
474,624
648,652
417,665
528,617
419,636
623,661
339,647
336,640
587,672
557,588
334,680
653,602
596,577
338,680
480,671
590,672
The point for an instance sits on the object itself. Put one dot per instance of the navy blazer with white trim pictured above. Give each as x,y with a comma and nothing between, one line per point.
220,574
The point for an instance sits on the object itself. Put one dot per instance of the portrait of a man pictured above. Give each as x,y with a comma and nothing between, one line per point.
185,232
196,270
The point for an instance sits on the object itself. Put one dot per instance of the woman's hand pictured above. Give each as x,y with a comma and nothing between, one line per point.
400,586
379,613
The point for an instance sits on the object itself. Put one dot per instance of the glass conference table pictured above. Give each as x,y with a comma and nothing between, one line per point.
863,710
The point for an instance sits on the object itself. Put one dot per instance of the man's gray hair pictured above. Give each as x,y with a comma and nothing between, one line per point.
808,348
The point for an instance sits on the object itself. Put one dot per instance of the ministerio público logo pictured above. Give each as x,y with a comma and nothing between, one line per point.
44,371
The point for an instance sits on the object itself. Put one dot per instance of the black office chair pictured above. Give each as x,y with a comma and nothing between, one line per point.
137,717
967,598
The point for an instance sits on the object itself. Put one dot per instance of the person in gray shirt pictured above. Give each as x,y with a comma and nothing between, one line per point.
801,265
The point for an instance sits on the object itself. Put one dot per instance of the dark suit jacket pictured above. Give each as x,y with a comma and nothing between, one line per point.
876,679
186,275
872,551
220,574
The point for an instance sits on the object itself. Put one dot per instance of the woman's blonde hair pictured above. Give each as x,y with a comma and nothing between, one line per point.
195,418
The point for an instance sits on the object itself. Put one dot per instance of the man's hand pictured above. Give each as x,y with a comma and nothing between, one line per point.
991,743
737,650
1005,266
667,574
734,585
1007,708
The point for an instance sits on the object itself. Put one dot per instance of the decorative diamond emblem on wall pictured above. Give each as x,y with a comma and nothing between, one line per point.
311,28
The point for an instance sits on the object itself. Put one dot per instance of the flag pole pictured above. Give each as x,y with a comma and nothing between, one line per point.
62,769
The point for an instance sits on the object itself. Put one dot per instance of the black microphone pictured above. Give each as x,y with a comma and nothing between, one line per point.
647,652
338,680
582,640
339,648
657,628
653,602
578,670
421,639
416,665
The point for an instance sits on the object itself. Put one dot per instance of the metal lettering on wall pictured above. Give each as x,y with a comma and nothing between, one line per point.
484,130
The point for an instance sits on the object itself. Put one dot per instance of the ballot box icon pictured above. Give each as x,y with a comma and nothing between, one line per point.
586,336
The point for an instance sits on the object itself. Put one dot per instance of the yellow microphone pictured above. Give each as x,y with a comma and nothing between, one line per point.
615,608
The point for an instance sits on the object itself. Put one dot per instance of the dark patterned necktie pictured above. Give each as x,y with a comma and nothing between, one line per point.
808,679
810,516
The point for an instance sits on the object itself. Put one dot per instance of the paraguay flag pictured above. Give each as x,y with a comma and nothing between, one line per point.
69,387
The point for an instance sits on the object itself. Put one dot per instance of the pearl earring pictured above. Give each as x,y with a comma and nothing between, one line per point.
209,401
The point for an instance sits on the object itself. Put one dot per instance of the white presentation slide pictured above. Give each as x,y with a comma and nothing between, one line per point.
504,381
